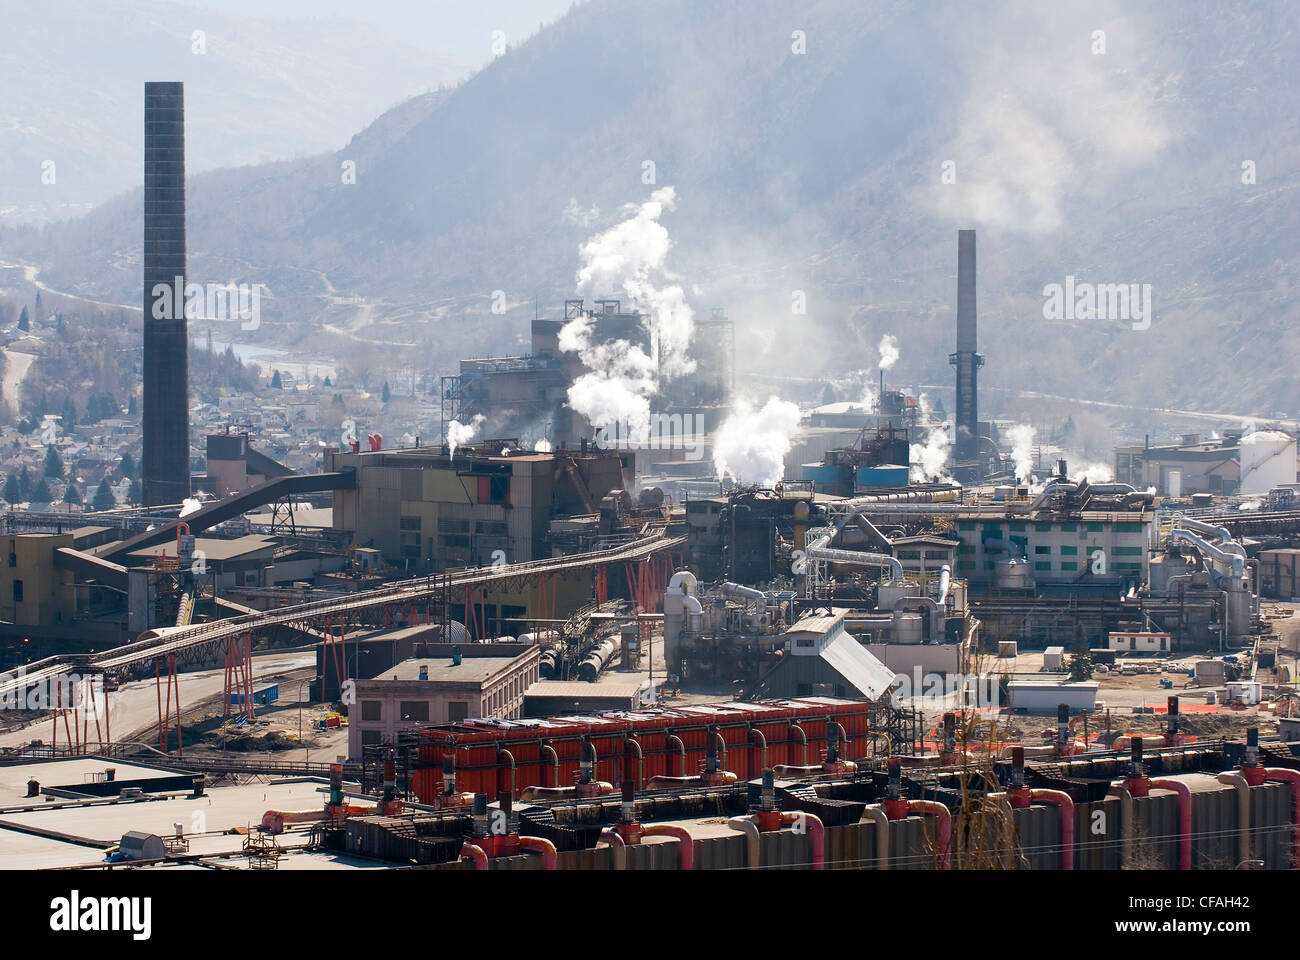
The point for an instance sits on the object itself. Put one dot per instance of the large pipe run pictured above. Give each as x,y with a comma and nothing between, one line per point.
1062,800
1184,818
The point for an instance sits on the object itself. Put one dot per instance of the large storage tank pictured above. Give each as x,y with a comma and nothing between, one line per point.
1268,459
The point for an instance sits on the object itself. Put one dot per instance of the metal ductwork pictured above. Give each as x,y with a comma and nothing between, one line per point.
827,555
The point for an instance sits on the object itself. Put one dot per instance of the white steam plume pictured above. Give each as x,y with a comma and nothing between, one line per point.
1022,451
461,433
751,445
930,458
542,446
888,351
1096,472
621,376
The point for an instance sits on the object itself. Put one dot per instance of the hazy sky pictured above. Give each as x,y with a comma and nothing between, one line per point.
459,27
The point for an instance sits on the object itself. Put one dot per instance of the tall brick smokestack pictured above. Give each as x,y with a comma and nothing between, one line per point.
165,468
966,360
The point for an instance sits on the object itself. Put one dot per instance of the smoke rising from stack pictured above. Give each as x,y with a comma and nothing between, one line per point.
888,351
751,444
930,459
1021,437
630,257
459,433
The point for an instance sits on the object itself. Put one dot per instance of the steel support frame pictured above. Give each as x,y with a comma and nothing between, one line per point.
166,713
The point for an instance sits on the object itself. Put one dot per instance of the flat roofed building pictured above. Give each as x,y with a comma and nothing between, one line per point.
1084,547
428,511
446,684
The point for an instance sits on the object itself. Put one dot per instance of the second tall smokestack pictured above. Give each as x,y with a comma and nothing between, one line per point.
165,464
966,360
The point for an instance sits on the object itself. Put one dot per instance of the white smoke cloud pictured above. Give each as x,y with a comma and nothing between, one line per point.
542,446
461,433
751,444
1022,451
621,377
1097,472
930,459
189,505
1052,125
888,351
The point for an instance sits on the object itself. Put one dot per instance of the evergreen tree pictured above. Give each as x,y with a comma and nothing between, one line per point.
24,485
134,493
68,413
127,467
53,463
386,395
275,381
71,494
130,407
104,499
24,321
327,382
13,489
42,492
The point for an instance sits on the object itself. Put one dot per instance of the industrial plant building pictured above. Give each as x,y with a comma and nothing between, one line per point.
429,510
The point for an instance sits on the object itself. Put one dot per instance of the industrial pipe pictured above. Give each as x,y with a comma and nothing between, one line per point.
1236,562
803,740
762,742
827,555
549,751
724,777
681,749
1232,778
274,821
858,518
816,834
618,849
1283,775
943,817
1184,819
475,853
736,590
550,859
876,813
503,752
1119,789
640,759
685,842
683,581
722,748
749,827
1062,800
945,578
600,788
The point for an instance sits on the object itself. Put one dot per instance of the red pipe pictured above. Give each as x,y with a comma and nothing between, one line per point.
475,853
1062,800
685,842
944,817
550,860
1293,778
816,834
1184,818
